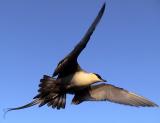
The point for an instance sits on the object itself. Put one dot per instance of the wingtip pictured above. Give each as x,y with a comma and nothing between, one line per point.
153,105
103,6
156,106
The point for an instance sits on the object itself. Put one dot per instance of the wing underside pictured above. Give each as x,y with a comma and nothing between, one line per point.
114,94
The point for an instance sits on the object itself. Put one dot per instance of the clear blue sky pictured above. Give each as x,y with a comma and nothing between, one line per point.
124,49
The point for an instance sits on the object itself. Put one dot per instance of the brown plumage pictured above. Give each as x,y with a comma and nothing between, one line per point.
69,64
107,92
72,79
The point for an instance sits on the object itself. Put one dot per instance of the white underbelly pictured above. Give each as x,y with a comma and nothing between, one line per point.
81,79
78,79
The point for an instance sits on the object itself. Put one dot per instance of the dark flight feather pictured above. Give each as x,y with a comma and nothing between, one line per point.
69,64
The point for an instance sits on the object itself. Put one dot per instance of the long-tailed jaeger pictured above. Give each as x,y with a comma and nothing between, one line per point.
70,78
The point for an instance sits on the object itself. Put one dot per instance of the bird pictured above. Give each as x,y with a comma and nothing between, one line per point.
70,78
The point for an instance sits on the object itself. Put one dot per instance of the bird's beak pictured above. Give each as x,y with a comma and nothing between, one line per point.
103,80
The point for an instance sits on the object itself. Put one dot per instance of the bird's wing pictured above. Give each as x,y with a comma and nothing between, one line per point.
70,61
111,93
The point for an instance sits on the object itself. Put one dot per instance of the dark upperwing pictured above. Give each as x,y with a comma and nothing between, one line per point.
69,64
111,93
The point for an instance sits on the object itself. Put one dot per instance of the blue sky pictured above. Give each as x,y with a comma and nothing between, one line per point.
124,49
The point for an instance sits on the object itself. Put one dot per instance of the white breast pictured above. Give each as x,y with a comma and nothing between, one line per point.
81,78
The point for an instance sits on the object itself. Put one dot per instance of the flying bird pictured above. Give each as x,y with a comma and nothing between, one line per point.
70,78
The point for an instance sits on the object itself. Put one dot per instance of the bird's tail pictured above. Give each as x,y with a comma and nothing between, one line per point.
50,93
58,102
34,102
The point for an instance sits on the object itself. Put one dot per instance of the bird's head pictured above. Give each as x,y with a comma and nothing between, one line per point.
97,78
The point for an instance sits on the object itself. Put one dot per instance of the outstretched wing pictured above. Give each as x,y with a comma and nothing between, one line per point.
114,94
70,61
